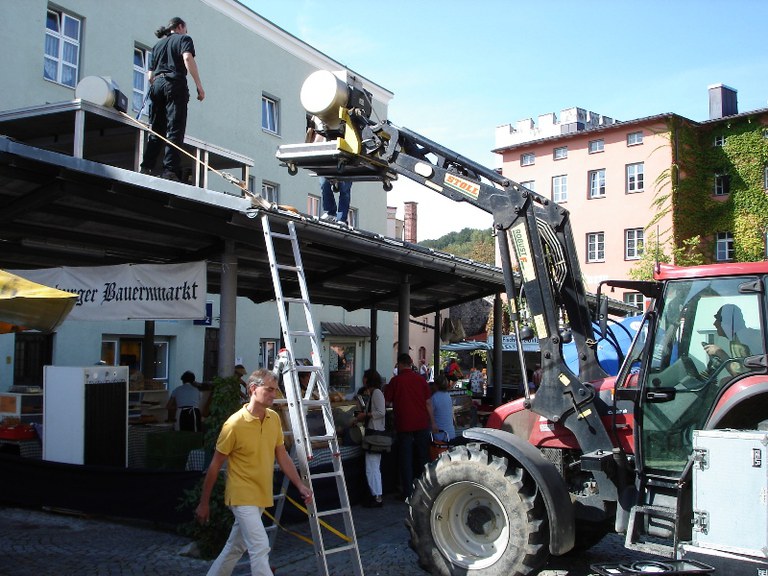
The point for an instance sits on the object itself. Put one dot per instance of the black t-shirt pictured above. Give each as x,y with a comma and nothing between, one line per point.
168,55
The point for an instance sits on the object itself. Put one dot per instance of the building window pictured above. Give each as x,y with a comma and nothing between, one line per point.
352,217
560,188
724,247
634,138
634,299
269,192
597,183
313,205
267,353
62,48
635,177
531,184
528,159
596,247
128,351
270,115
719,140
633,243
596,146
140,82
560,153
722,184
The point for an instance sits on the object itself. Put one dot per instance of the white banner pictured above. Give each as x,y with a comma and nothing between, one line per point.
130,291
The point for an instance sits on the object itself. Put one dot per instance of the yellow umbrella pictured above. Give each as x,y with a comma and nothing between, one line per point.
26,305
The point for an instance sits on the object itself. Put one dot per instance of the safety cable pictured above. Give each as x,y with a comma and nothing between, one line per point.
255,199
301,536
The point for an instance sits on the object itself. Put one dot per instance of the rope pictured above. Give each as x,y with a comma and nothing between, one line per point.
256,200
301,536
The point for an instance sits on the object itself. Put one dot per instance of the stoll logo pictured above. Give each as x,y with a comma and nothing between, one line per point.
466,187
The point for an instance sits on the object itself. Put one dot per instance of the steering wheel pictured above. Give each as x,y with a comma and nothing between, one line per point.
690,367
714,368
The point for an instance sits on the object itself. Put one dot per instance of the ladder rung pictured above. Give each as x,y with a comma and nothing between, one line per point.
334,512
342,548
295,300
326,438
287,267
321,475
312,403
281,235
300,333
308,368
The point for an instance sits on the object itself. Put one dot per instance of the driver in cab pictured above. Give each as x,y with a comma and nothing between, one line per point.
729,322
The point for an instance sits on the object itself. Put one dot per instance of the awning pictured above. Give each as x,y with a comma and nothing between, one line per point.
26,305
344,330
508,342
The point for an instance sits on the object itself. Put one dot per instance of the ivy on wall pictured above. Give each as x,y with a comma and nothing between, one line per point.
686,190
742,158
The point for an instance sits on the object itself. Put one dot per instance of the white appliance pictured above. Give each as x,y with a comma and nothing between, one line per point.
85,415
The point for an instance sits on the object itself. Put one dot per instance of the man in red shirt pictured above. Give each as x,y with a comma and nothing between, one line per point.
409,394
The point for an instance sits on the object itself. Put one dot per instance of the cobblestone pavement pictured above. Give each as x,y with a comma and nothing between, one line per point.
37,543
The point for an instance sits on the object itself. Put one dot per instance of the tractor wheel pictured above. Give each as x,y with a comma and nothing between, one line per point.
473,512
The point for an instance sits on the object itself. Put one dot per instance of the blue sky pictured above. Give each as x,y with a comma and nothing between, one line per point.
460,68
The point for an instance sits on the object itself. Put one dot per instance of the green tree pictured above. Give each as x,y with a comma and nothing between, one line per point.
211,537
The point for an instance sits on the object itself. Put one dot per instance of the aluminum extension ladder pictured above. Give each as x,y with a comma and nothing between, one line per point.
315,399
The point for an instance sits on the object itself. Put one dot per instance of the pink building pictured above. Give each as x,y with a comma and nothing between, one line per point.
608,174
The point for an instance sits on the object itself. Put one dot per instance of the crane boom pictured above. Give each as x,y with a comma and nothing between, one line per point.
538,255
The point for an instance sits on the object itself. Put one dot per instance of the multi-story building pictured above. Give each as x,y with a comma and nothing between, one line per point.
628,183
252,72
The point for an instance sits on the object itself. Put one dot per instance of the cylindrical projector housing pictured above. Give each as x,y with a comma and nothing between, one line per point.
322,94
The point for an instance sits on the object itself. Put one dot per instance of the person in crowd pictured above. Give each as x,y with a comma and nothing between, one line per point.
453,370
442,407
135,377
240,374
409,395
535,381
250,441
476,381
184,405
373,418
173,56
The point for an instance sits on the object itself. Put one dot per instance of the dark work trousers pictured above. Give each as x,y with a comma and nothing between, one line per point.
410,445
168,116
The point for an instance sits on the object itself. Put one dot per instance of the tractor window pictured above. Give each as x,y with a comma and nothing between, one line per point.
706,330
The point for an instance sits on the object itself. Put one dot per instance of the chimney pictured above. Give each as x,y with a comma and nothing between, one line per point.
410,222
722,101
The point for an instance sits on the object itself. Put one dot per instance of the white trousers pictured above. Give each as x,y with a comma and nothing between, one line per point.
373,472
247,534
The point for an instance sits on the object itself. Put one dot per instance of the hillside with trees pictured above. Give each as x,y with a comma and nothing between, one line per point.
470,243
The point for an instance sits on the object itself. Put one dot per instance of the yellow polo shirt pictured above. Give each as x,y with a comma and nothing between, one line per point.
250,446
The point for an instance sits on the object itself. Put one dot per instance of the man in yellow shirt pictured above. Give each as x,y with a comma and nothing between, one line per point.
250,441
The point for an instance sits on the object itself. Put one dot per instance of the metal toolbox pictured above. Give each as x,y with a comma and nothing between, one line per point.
730,491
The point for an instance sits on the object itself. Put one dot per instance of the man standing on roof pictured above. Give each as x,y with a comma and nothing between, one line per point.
172,57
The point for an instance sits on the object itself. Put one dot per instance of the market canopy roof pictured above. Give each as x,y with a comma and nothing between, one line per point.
57,209
26,305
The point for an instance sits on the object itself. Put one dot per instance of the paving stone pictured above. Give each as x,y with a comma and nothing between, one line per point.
39,543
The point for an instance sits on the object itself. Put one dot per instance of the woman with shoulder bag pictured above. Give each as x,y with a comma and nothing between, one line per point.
373,417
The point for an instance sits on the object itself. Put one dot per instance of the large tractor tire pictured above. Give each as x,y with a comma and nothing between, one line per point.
473,512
